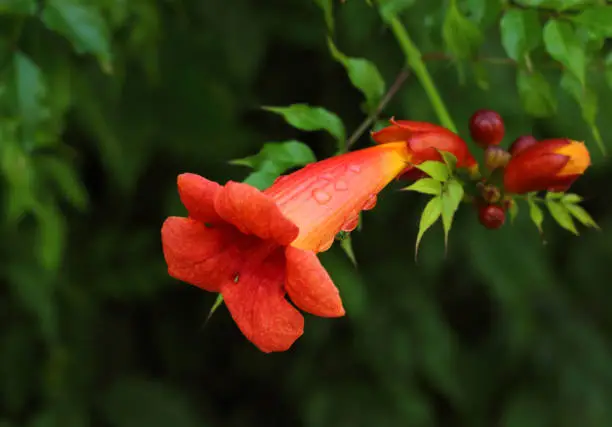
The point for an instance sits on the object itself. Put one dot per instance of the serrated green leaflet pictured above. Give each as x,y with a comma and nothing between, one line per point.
587,100
436,170
449,159
560,214
425,186
363,75
430,215
461,36
571,198
536,214
308,118
83,25
581,215
536,94
521,32
597,19
30,90
451,199
564,46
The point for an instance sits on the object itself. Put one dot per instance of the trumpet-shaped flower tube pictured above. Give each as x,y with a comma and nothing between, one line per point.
256,248
553,165
424,141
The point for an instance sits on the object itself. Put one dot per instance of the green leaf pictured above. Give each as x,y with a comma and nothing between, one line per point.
536,93
430,215
66,179
485,12
214,307
587,100
552,195
30,90
451,199
284,155
462,37
273,159
347,247
561,214
449,159
597,19
436,170
308,118
520,32
571,198
581,215
51,237
363,74
536,214
563,45
83,25
425,186
390,8
17,7
513,210
327,7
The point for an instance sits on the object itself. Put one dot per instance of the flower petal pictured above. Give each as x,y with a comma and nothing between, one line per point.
252,212
322,196
258,305
309,286
202,256
198,196
391,134
525,174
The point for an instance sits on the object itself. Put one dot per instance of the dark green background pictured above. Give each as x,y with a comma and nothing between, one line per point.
503,332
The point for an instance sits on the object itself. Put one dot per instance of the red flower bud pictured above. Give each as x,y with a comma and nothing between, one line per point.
424,140
491,216
551,165
487,128
521,143
496,157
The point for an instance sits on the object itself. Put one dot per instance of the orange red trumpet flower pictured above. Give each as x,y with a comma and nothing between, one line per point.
257,247
552,165
424,140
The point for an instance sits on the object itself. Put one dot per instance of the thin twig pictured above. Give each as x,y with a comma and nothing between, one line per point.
395,87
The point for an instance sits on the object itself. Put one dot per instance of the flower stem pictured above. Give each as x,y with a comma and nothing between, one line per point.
415,61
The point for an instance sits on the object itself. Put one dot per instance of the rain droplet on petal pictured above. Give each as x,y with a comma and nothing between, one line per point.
354,168
321,196
351,224
370,203
341,185
327,177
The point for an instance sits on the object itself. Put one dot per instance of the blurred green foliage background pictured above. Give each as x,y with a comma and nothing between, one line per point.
103,103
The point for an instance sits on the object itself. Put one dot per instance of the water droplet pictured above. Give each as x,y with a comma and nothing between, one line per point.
341,185
354,168
351,224
321,196
327,177
370,203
